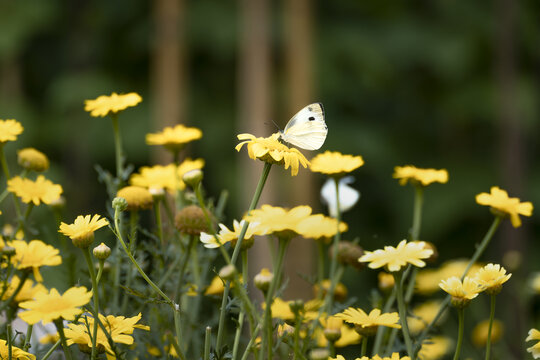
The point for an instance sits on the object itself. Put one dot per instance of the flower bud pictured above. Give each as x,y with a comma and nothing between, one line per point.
348,254
191,220
119,203
193,177
157,193
137,197
8,250
332,331
32,159
296,306
84,240
102,251
263,279
227,272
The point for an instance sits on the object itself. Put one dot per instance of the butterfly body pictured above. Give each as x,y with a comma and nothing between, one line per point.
307,129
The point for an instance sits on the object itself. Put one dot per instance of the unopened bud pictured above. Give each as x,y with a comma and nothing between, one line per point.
102,251
319,354
263,279
227,272
119,204
193,177
8,250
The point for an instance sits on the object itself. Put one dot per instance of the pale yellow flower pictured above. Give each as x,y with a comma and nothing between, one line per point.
33,255
50,306
225,235
335,164
174,138
423,315
535,349
435,348
480,332
394,258
270,150
416,175
281,309
491,277
119,328
27,292
9,130
462,292
319,226
274,219
36,192
105,105
32,159
502,205
16,353
428,280
137,197
81,232
367,324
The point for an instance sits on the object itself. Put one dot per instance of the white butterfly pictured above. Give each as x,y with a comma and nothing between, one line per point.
307,128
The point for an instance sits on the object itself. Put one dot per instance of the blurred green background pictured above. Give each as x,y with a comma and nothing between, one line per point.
430,83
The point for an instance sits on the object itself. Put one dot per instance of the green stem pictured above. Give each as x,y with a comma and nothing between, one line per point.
9,340
417,212
157,212
118,148
296,341
461,318
60,328
398,276
251,341
382,329
236,252
320,267
177,326
267,319
95,295
491,317
479,251
5,168
364,346
51,350
207,341
100,270
27,338
333,262
174,306
242,310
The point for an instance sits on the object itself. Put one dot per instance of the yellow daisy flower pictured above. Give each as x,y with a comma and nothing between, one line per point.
270,150
174,138
502,205
535,349
9,130
428,280
423,314
51,305
33,255
491,277
32,159
49,339
217,287
281,309
120,329
105,105
335,164
16,353
435,348
480,332
394,258
340,290
347,335
320,226
274,219
394,356
462,292
81,232
225,235
37,192
163,177
137,197
367,324
27,292
423,177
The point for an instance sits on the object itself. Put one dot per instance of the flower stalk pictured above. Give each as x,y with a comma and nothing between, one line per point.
490,328
95,295
398,277
461,320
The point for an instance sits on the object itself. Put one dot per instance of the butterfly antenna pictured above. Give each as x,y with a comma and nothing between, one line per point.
273,122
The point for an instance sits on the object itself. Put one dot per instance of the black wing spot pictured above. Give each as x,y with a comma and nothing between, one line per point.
311,118
309,108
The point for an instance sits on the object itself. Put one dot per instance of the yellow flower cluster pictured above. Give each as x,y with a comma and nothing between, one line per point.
112,104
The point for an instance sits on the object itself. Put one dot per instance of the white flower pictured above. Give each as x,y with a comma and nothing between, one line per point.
225,235
348,196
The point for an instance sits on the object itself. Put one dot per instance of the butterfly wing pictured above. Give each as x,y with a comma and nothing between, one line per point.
306,129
